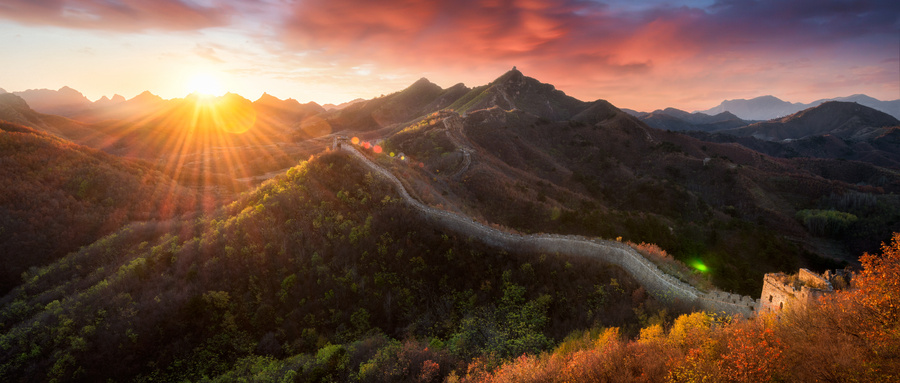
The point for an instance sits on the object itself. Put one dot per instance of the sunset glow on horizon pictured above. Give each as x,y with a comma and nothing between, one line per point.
689,54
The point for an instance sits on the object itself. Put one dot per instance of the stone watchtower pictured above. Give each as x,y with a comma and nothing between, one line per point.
781,291
338,141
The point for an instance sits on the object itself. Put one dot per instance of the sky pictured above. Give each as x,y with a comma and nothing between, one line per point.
641,55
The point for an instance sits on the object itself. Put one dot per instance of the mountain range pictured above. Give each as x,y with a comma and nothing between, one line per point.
727,115
196,268
69,102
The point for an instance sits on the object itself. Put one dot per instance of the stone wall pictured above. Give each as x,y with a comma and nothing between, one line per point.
781,291
661,285
812,279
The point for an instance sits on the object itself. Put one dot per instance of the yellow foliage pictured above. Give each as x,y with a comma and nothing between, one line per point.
689,329
653,333
608,337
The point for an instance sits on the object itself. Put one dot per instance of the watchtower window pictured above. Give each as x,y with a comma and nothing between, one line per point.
770,299
781,305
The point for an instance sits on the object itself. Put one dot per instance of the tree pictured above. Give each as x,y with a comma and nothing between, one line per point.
878,292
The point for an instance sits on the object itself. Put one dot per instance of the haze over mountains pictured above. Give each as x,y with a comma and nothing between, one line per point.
769,107
676,119
237,236
67,102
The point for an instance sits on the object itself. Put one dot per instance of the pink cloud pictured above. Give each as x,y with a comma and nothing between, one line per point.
123,15
431,31
591,47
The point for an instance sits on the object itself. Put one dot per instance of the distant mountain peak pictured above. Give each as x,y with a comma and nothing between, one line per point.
832,110
767,97
146,96
422,84
267,98
106,101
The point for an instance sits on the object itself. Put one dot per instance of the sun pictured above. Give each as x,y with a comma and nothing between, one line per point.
205,84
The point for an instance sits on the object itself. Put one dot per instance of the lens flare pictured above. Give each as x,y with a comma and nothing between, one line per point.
699,265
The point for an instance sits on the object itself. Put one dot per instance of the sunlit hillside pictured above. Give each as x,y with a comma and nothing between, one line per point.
58,196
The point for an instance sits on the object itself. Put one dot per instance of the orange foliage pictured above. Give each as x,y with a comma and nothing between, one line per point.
753,354
852,336
879,283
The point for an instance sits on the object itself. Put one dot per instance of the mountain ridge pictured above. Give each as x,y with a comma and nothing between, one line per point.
848,120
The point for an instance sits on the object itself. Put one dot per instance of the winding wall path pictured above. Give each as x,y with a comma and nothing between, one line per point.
456,136
663,286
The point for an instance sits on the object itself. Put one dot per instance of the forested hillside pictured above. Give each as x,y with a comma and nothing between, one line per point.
324,266
57,196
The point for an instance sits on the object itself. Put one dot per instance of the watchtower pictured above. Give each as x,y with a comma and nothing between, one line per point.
781,291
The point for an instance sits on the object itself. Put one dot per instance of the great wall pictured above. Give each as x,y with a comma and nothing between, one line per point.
661,285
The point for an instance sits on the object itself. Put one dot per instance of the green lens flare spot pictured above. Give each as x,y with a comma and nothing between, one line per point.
699,266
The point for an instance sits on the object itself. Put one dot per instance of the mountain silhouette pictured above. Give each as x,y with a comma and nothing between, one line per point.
64,101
